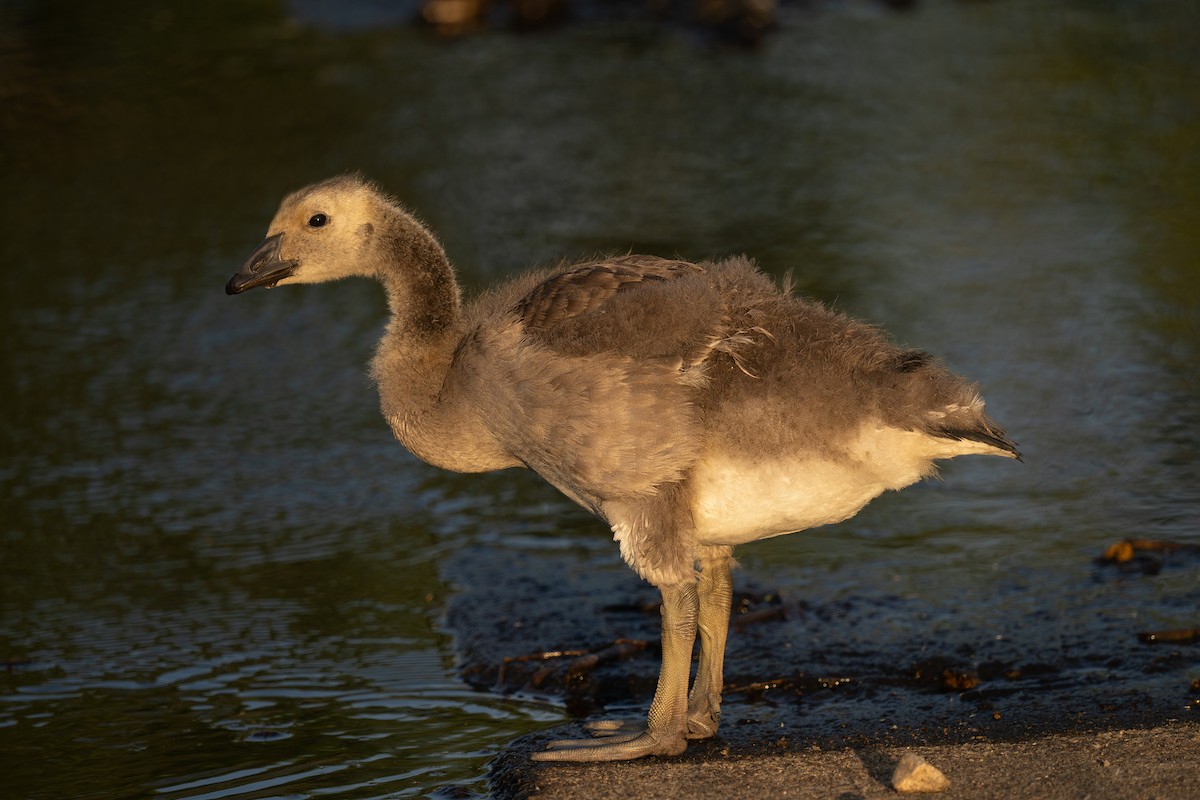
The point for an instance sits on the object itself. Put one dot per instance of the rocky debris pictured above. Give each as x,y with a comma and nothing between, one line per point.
1147,556
915,774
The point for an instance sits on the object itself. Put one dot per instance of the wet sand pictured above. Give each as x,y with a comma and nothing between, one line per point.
1161,762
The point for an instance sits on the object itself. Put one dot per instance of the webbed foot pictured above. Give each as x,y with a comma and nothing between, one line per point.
702,724
613,744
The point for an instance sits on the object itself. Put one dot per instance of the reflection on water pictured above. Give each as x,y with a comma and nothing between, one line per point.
219,578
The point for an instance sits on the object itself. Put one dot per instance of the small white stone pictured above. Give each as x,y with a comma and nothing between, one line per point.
915,774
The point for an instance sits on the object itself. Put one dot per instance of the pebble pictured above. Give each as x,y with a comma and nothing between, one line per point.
915,774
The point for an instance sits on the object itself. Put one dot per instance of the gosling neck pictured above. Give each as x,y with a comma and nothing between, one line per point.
423,296
415,355
428,411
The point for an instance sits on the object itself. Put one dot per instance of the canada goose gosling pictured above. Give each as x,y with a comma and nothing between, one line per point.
692,407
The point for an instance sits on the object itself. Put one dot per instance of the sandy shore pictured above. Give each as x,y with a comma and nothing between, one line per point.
1162,762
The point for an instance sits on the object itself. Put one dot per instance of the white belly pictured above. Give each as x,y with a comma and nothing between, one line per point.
738,500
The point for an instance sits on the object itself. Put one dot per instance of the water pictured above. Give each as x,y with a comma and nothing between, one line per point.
218,575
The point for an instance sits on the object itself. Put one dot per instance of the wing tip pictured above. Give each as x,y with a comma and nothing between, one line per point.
993,437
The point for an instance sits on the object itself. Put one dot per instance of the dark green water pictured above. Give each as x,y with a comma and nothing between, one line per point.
220,578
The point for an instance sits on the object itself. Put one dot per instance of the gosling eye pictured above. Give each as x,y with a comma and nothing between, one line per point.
317,220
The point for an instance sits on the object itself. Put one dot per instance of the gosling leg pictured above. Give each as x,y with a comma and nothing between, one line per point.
716,598
667,729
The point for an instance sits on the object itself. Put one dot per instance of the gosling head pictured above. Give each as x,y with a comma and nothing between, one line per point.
319,234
